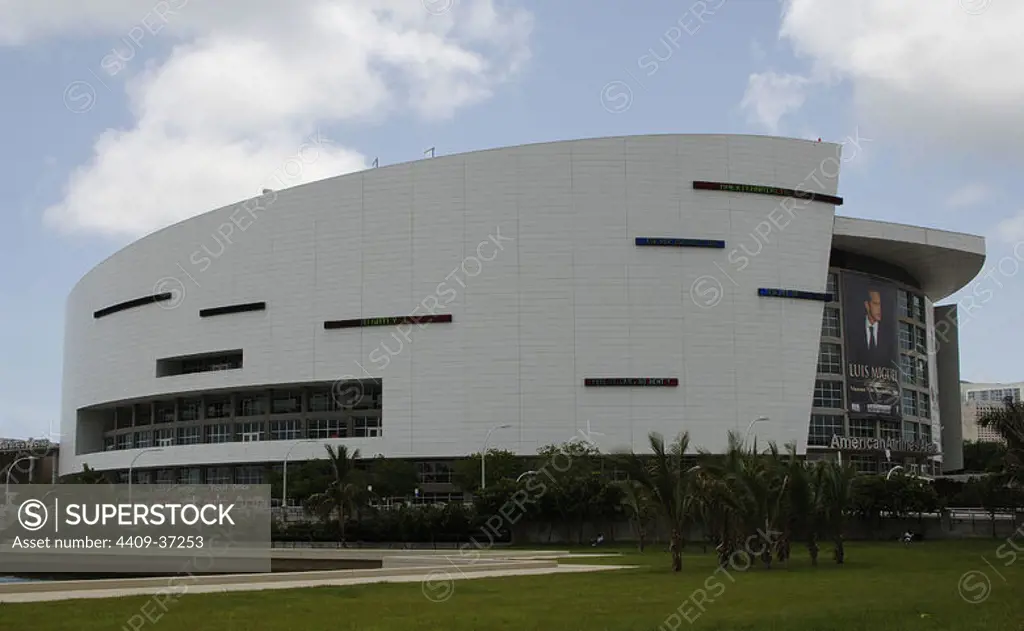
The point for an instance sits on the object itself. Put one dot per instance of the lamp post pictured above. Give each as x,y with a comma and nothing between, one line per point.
7,484
284,476
483,454
888,475
524,474
131,466
751,426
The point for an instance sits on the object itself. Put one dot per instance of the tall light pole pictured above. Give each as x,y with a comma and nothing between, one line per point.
524,474
889,475
483,455
131,466
751,426
284,477
7,484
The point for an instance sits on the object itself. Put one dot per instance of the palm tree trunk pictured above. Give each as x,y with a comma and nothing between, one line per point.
676,548
812,548
840,550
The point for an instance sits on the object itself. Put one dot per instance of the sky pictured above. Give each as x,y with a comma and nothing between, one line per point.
119,117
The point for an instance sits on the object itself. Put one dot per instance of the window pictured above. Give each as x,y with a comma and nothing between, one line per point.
323,402
909,431
108,443
984,395
164,437
164,412
226,360
286,403
920,340
970,395
218,408
366,427
830,323
908,369
832,286
255,405
830,359
190,410
910,403
143,414
924,405
926,432
904,304
219,475
143,477
917,306
823,428
250,432
828,394
863,463
906,336
165,476
922,372
334,428
889,429
124,441
862,427
189,475
143,439
285,430
249,474
218,433
435,472
190,435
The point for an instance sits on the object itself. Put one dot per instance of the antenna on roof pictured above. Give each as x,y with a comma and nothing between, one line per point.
376,162
430,151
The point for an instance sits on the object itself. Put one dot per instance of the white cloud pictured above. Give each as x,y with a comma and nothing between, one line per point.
931,70
248,80
969,195
1011,229
771,96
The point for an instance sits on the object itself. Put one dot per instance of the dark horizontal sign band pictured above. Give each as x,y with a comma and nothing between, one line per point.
667,382
767,190
679,243
392,321
228,309
131,304
794,293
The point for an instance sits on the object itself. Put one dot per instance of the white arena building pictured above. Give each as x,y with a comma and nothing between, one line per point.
522,296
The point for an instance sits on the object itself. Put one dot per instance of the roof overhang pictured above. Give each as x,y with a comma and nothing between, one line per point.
943,262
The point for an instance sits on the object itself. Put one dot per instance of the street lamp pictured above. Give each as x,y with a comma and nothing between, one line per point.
284,477
888,475
131,465
7,484
524,474
751,426
483,454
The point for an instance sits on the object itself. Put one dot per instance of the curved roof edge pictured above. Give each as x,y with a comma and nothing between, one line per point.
943,261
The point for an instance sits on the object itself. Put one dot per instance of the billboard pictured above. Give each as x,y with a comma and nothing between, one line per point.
872,346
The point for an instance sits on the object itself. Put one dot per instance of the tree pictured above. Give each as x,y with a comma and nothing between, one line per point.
342,493
983,457
835,497
665,477
87,475
392,477
1008,421
501,464
639,508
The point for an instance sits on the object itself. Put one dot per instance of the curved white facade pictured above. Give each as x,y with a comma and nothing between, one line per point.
532,251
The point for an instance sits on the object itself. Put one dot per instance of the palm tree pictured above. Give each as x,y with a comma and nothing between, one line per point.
341,494
834,501
664,477
87,475
638,507
1008,421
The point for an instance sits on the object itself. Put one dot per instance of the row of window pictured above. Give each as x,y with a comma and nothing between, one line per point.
434,472
913,338
247,404
824,426
911,306
829,394
242,474
997,395
355,427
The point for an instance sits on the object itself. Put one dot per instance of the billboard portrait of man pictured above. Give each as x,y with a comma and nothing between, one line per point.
871,340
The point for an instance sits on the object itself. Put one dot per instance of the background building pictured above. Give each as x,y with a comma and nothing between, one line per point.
610,287
978,397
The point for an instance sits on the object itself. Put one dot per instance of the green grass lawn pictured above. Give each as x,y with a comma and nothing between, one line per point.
882,587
